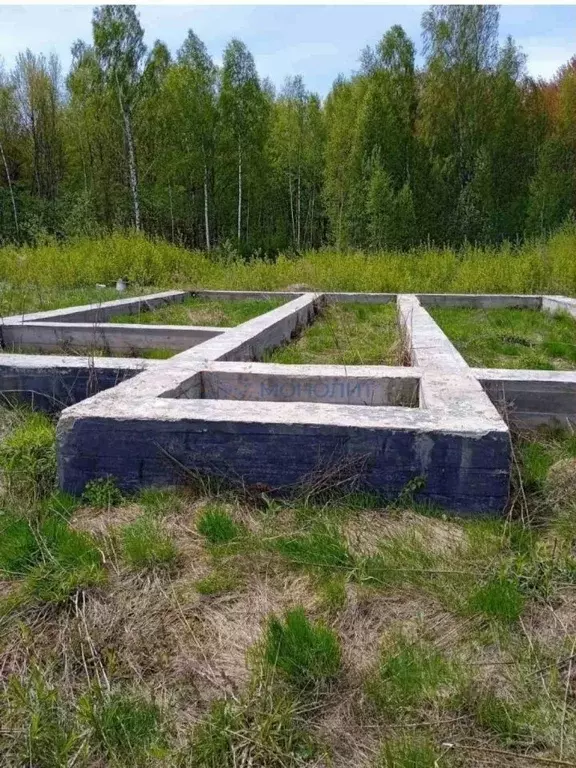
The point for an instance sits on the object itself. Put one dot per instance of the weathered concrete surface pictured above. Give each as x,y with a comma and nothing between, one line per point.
465,462
360,298
480,300
335,384
246,295
531,399
428,344
555,304
206,410
250,340
114,337
50,383
101,312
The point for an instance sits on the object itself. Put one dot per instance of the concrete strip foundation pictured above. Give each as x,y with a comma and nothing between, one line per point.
51,383
112,337
215,409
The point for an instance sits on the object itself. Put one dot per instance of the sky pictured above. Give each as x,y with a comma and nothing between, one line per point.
317,42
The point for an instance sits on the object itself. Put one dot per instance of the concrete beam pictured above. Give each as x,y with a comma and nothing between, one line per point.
100,312
246,295
554,304
152,442
250,340
114,337
51,383
480,300
429,346
335,384
531,399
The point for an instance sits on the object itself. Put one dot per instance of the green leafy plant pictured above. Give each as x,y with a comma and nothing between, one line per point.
102,493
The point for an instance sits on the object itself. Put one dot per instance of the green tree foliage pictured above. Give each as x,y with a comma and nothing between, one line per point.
466,149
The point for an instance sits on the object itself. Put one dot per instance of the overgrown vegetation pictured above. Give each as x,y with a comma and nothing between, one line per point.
210,312
206,628
511,338
395,155
347,334
54,275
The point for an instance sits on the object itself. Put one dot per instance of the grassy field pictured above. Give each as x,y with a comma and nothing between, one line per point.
347,334
211,628
510,338
196,311
532,268
206,627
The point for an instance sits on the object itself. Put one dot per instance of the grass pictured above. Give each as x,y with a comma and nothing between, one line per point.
305,653
198,311
28,455
348,334
217,526
147,546
408,752
410,676
200,627
510,338
535,267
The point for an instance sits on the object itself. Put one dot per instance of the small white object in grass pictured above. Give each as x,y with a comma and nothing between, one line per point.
120,285
100,285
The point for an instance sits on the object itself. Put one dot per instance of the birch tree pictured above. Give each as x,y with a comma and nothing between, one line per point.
243,113
119,47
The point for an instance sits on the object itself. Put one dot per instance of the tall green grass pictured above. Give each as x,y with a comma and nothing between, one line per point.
531,268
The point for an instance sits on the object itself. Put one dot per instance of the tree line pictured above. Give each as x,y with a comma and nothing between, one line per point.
467,148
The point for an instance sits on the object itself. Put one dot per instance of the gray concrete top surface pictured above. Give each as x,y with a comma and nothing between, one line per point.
282,369
104,308
521,374
43,362
288,414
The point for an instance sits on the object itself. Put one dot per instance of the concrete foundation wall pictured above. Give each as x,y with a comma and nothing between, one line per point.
255,445
530,399
100,312
114,337
250,340
362,385
53,383
480,300
211,409
555,304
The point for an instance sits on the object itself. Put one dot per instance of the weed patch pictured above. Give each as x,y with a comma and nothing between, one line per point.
411,675
348,334
147,546
28,457
217,526
307,654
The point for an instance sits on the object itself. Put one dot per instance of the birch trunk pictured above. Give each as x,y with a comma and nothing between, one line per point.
11,189
206,220
131,157
298,210
132,169
171,211
239,191
291,206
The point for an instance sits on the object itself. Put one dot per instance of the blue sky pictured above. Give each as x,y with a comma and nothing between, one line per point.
318,42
